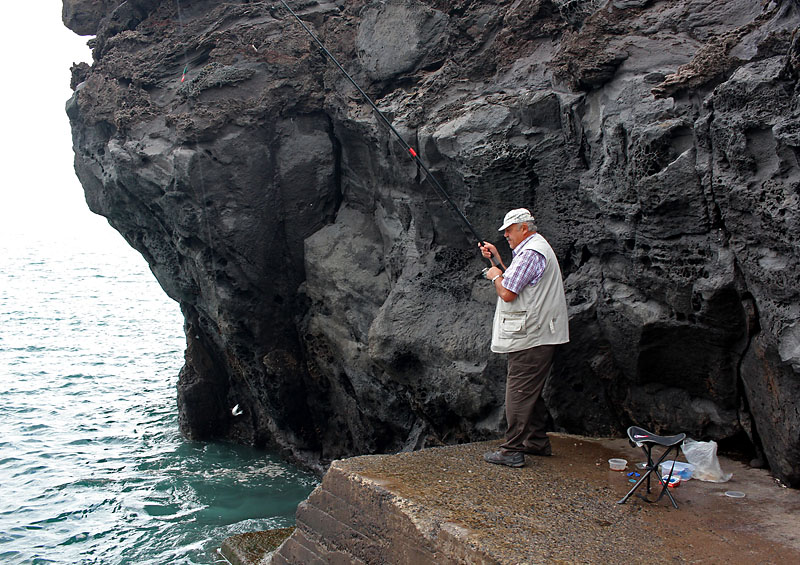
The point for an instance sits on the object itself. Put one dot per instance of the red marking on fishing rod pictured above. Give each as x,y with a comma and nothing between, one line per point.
411,150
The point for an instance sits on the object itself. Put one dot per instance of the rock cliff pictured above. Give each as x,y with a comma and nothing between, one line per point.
336,299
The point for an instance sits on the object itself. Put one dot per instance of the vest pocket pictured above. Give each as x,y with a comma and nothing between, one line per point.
513,323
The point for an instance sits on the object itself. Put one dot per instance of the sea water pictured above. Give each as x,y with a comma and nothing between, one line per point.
93,468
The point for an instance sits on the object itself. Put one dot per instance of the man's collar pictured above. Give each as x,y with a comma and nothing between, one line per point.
521,245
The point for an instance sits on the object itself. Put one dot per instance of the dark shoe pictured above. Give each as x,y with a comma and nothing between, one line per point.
510,459
546,452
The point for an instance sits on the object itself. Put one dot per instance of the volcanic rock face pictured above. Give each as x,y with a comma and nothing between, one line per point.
332,295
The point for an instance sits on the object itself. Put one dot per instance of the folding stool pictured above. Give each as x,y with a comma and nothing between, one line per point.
639,437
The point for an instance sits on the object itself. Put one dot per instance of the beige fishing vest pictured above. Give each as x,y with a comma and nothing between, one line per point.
538,315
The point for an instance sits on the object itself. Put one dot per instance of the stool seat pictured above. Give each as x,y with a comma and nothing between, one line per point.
639,436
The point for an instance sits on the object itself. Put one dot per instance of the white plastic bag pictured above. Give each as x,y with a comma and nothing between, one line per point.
703,455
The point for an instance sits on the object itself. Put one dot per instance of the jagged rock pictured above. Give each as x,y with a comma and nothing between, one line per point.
333,295
399,36
84,16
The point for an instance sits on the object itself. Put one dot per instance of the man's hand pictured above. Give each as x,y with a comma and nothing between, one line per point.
493,272
488,250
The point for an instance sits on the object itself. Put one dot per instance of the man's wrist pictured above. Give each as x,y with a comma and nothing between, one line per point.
496,277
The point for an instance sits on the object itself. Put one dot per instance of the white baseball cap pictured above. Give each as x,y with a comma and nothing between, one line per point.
517,216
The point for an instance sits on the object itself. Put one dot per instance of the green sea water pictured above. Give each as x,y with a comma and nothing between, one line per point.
93,468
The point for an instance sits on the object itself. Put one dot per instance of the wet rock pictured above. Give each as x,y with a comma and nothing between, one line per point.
252,547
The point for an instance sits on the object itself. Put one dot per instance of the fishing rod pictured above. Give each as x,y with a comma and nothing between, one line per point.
410,150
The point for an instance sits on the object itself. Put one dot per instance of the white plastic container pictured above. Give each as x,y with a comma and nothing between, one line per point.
682,470
617,464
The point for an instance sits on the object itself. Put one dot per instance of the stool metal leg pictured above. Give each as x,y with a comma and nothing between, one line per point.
650,468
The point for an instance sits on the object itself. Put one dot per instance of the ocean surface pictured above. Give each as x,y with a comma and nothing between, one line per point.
93,468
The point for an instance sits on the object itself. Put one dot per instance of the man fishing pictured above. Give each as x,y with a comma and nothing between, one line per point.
529,321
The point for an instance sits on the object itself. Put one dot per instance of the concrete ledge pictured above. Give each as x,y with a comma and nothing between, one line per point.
446,505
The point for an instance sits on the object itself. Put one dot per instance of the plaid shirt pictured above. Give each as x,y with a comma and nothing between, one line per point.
526,268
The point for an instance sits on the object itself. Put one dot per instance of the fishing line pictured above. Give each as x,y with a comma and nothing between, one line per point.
410,150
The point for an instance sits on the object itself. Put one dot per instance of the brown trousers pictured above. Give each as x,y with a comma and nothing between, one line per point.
526,413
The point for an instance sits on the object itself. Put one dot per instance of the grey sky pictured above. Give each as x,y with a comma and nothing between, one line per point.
39,188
